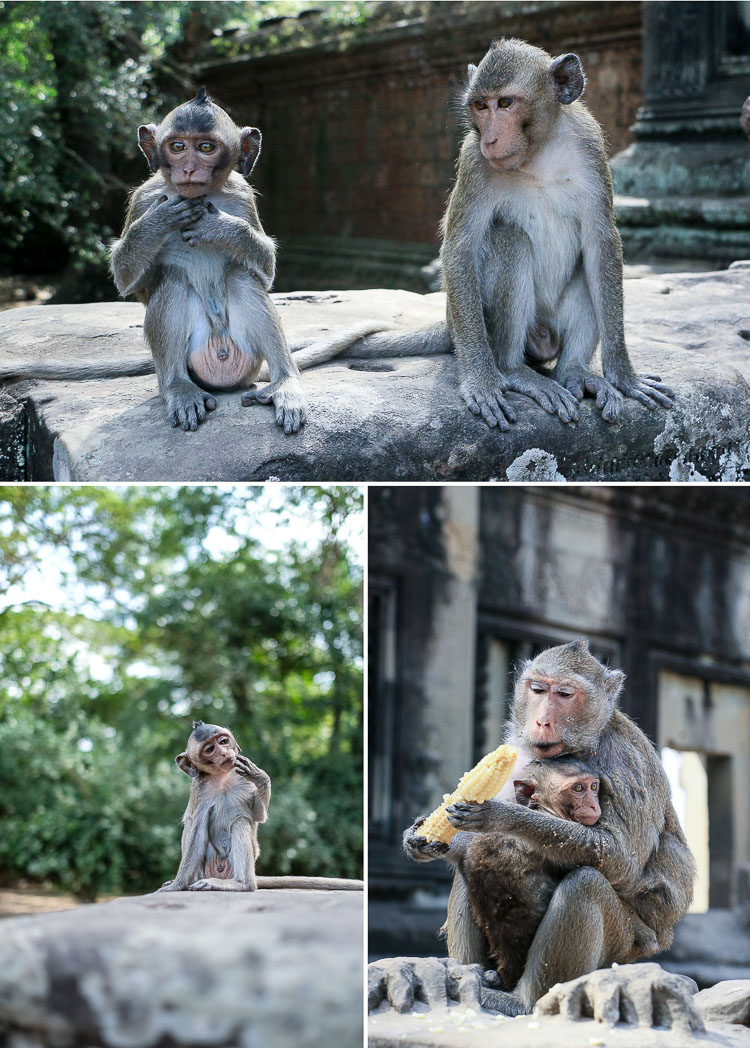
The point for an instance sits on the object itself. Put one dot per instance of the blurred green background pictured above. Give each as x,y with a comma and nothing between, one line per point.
127,612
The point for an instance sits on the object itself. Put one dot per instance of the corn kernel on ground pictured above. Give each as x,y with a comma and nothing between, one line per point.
479,784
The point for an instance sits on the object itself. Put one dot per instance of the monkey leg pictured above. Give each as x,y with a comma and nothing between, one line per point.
466,943
167,331
221,884
256,326
585,927
510,307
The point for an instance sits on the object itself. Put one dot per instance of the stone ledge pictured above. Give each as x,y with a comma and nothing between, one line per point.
267,969
395,419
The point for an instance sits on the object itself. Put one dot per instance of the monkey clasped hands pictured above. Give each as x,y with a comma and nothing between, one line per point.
194,251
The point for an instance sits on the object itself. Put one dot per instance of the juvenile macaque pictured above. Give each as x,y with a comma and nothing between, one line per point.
229,797
509,888
632,863
193,250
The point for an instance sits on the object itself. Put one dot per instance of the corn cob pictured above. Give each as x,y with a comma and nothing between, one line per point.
482,782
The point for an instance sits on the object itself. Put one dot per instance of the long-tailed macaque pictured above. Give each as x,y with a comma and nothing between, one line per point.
532,260
509,888
194,252
634,860
229,797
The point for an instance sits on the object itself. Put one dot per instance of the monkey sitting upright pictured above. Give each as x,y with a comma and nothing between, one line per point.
509,890
194,251
229,797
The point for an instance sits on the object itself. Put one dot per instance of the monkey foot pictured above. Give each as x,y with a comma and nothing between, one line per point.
286,396
488,400
545,391
187,405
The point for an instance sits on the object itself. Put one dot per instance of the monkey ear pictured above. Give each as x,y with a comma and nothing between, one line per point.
147,143
250,140
184,763
613,682
524,791
567,76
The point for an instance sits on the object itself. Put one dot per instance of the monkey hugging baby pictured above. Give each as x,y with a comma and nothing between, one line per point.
229,798
531,261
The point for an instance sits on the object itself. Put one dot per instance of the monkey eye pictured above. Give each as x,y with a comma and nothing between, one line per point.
594,787
565,693
479,103
223,740
536,687
577,787
504,103
176,147
206,147
209,749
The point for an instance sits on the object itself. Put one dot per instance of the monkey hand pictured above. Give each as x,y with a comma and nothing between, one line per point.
477,818
175,214
640,994
286,395
419,848
398,982
486,398
187,404
214,227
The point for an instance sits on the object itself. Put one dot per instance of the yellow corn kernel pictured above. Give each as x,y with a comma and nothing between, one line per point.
480,784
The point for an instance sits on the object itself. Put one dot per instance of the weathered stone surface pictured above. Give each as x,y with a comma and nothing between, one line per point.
727,1002
396,419
267,969
637,1004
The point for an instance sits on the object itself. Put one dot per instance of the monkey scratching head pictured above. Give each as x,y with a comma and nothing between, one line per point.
197,146
210,749
563,700
513,99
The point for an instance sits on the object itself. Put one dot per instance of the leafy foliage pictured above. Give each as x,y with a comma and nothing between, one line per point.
158,606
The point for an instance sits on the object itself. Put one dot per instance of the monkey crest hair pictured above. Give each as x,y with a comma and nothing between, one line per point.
202,731
514,63
201,116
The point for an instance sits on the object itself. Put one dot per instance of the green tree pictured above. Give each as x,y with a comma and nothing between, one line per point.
171,604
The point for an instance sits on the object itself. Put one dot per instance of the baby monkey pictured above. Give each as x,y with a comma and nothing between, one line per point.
229,797
510,887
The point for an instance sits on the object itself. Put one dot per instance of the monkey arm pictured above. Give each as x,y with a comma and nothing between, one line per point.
262,786
602,260
151,218
241,237
557,840
194,843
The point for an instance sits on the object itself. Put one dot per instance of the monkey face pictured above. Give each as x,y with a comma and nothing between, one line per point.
197,163
554,707
502,122
211,749
580,799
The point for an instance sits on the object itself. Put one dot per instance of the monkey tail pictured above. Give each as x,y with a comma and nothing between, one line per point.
61,370
371,340
331,884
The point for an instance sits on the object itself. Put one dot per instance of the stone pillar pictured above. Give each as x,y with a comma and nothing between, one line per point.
683,187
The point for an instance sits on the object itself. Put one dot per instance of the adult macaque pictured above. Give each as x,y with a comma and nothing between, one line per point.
229,797
532,260
634,860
